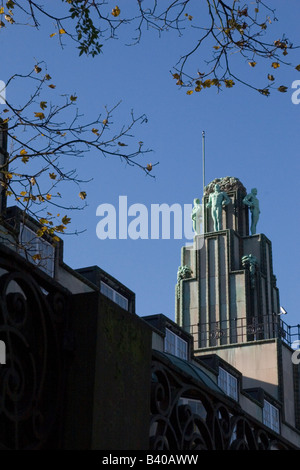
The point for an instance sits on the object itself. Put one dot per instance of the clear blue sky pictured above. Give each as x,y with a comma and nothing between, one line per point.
251,137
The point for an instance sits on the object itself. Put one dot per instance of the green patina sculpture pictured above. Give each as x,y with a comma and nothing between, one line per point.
252,202
216,201
197,216
184,272
250,261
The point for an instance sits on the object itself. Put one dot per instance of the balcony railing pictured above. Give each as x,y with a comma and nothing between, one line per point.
241,330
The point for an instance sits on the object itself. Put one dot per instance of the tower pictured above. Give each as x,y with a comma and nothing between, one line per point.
230,295
227,298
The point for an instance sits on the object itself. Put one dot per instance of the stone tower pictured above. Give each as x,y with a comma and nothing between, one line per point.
226,291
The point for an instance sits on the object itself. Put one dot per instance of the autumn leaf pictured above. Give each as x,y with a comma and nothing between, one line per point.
229,83
73,98
176,76
43,104
252,64
23,152
36,257
95,131
275,65
282,89
47,76
189,92
116,11
55,238
48,197
121,144
82,195
66,220
264,91
52,176
271,77
39,115
216,47
52,35
9,19
37,69
149,167
25,159
1,10
51,86
104,122
298,68
62,31
23,193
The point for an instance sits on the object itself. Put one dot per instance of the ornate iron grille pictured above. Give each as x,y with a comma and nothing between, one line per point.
32,322
219,425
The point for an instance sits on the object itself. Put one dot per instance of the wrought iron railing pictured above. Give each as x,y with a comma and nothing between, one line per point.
241,330
219,425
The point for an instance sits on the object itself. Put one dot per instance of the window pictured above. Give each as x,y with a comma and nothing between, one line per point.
33,245
175,345
228,383
113,295
271,416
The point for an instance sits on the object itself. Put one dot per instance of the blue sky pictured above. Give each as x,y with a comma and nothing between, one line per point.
251,137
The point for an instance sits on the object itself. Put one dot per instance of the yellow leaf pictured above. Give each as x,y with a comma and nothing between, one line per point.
23,152
9,19
176,76
23,193
61,31
271,77
39,115
95,131
82,194
52,176
37,256
43,104
104,122
55,238
275,65
189,92
1,10
73,98
149,167
66,220
252,64
53,34
51,86
37,69
47,77
48,197
216,47
229,83
116,11
25,159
